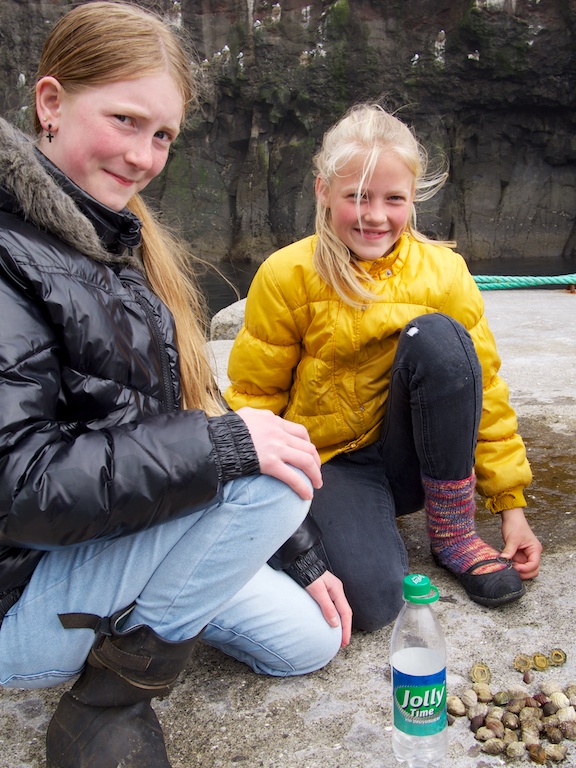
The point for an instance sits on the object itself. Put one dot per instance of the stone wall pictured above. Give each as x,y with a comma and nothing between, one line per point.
490,84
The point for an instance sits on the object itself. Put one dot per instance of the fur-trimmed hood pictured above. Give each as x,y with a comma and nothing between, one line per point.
34,188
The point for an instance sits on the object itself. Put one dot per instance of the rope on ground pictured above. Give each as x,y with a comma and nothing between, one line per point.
498,282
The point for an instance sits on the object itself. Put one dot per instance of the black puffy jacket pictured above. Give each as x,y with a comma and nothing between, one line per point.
93,443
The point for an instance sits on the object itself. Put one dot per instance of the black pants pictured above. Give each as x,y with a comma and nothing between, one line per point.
430,426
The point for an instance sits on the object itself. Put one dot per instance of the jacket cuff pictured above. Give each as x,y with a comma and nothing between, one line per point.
234,453
307,568
507,500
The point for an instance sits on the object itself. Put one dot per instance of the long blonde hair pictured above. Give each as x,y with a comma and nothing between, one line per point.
364,133
103,42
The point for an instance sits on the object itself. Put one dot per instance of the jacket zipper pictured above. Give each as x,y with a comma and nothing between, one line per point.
169,401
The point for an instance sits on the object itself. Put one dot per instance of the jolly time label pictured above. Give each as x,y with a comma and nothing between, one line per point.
419,702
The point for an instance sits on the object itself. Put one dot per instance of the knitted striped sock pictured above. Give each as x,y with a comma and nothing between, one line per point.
450,509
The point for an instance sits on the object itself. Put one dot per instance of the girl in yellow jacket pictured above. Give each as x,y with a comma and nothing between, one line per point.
374,338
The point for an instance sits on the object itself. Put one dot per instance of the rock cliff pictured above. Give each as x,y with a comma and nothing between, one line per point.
491,84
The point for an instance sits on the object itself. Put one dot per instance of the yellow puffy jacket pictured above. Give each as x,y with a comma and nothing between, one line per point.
310,357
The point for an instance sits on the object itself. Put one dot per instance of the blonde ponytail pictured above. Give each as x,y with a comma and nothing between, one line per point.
167,263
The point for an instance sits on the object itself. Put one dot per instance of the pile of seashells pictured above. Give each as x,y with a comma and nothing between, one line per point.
515,723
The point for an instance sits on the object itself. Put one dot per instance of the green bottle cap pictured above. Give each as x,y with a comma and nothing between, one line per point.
417,589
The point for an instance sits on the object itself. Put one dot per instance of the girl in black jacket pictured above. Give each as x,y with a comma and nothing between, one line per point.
132,505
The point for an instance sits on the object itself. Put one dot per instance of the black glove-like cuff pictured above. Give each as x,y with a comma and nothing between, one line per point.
306,568
234,451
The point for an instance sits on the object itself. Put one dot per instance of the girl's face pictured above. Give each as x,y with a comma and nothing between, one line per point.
111,139
369,219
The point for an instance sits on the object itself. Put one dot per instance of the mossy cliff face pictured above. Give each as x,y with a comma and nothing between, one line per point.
489,83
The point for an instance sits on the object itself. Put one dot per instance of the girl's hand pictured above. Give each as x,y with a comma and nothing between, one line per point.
521,544
328,592
282,445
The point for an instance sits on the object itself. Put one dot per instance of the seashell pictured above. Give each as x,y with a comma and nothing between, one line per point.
469,698
501,698
556,752
540,661
516,749
493,747
554,734
480,672
528,676
522,662
532,702
455,706
541,698
477,709
495,726
532,727
571,693
529,737
549,686
516,705
557,656
518,691
476,722
495,713
537,754
450,719
566,713
483,733
550,708
568,728
550,721
510,736
560,699
483,692
530,713
510,720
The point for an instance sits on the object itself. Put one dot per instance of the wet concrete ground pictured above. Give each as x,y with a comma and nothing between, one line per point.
221,715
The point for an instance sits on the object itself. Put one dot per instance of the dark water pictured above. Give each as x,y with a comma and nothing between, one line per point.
220,294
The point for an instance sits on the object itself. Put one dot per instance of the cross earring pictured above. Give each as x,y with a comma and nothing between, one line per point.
50,135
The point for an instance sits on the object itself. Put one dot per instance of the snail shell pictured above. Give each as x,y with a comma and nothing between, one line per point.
568,728
510,720
495,726
560,699
501,698
554,734
556,752
483,733
455,706
537,754
566,713
469,698
483,692
493,746
516,749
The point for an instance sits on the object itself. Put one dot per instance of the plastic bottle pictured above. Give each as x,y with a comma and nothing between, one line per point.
418,661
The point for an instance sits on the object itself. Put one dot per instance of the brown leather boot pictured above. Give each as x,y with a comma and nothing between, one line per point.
106,720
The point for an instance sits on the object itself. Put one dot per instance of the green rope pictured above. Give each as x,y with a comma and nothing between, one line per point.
498,282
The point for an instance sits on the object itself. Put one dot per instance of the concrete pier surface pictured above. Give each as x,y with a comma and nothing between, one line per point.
221,715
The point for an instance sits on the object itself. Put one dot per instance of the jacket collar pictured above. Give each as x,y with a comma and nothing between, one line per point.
116,230
34,188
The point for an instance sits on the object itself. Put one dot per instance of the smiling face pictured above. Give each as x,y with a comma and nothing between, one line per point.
111,139
369,217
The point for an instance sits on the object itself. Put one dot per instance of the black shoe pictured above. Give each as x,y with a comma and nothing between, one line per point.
491,589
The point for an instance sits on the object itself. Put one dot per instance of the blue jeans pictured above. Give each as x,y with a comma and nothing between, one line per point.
203,570
430,426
